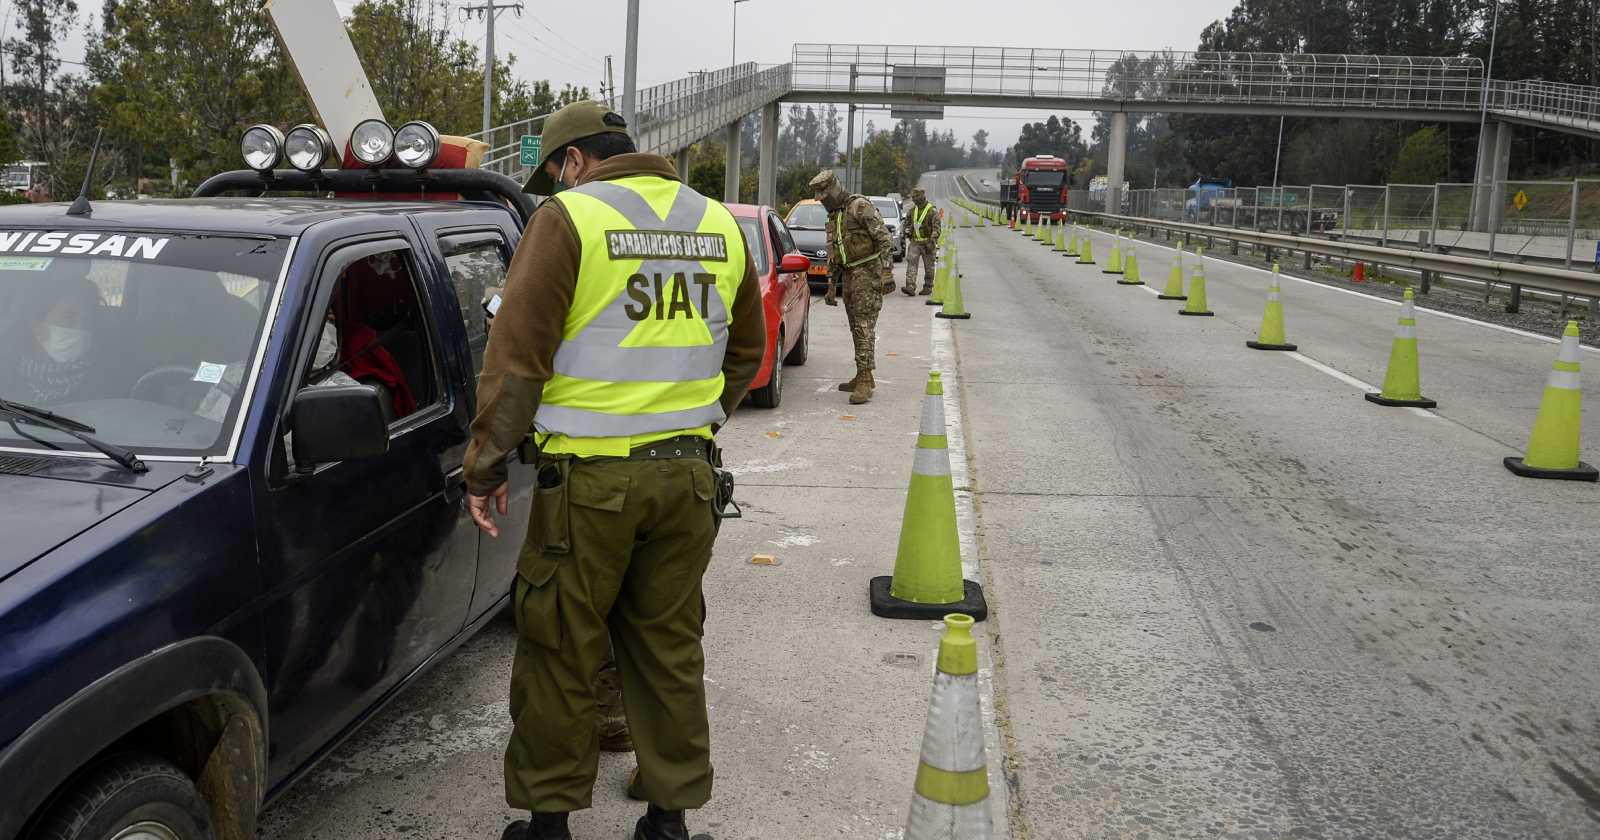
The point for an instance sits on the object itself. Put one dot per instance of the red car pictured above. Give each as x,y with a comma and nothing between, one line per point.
785,297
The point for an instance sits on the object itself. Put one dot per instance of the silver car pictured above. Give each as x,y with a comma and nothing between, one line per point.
890,210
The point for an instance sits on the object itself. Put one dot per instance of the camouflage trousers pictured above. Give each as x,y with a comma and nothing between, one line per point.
863,297
919,252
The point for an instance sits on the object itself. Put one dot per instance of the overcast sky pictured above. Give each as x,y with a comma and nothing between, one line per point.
568,41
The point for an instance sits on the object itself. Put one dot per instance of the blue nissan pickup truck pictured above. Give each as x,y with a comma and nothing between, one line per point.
232,509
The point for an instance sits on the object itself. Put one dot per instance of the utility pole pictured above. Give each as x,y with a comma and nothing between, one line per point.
630,70
608,87
488,11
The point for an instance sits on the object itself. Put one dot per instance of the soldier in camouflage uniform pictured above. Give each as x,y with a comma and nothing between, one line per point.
922,240
859,259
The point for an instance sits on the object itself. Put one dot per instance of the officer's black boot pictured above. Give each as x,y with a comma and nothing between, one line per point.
661,824
550,826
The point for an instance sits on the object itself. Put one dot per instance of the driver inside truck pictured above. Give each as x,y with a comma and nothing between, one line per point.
47,342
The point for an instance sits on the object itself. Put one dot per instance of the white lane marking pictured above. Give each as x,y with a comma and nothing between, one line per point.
1350,380
1450,315
940,336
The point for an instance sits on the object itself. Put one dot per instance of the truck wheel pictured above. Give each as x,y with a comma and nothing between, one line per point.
770,394
802,345
132,796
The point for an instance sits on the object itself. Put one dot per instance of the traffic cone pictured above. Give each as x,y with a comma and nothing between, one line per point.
1271,335
1553,448
927,567
1049,232
953,305
941,271
1360,274
1061,238
1072,244
1086,251
1174,290
1196,302
1401,384
951,797
1114,265
1130,268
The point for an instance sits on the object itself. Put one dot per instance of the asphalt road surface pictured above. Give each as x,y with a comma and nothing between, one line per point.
1231,597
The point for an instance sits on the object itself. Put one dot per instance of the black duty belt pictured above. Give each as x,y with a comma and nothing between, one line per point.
683,446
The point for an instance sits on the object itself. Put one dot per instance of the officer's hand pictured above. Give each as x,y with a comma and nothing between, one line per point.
478,506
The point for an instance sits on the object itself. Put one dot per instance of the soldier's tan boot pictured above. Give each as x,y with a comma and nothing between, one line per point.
851,385
863,390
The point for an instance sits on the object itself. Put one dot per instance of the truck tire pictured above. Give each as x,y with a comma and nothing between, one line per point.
130,796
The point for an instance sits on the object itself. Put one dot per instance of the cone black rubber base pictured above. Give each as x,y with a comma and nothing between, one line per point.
1207,313
1109,271
933,303
1256,345
1130,282
1383,400
885,605
1583,472
962,317
1067,254
1172,297
1085,262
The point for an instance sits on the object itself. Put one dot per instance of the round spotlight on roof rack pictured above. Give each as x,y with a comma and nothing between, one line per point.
308,147
372,142
261,146
416,144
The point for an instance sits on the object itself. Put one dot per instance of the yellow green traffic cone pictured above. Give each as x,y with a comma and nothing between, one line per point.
1196,301
953,305
927,567
1086,251
1130,268
1271,336
940,272
1049,232
951,798
1402,383
1553,447
1072,244
1061,239
1114,265
1174,289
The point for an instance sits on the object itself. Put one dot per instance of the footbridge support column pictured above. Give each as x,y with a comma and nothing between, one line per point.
1493,164
767,174
730,176
1116,161
683,164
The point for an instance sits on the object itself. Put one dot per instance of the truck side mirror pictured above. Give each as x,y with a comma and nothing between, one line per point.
338,423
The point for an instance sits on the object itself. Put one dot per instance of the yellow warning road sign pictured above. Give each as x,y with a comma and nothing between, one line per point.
1520,199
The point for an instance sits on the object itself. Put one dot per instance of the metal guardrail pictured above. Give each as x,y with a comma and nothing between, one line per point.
1547,278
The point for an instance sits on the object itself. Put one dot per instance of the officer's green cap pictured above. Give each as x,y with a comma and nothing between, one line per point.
823,180
574,122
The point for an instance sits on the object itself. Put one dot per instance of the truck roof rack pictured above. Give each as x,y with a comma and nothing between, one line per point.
471,184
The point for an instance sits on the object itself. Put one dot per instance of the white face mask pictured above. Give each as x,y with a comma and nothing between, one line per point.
327,347
64,344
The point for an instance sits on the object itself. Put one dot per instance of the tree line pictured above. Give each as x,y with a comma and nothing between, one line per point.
1553,40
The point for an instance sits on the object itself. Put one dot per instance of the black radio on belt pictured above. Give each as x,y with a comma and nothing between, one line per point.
723,479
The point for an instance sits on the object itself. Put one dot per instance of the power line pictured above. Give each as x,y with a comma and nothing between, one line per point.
570,53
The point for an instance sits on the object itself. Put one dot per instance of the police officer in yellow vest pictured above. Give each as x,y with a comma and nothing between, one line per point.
629,329
922,244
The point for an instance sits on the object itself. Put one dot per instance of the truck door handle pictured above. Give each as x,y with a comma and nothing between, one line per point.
455,485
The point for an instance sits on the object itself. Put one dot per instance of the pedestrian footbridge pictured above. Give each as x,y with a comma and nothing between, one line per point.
921,81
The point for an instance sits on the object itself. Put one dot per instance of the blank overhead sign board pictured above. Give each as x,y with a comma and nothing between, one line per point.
917,80
319,48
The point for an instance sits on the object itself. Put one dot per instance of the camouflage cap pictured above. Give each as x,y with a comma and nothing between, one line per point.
918,192
573,122
823,180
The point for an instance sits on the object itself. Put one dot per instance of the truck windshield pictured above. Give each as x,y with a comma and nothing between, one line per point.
1040,180
148,338
16,178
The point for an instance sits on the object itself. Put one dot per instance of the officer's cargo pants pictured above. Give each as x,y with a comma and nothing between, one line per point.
628,539
919,253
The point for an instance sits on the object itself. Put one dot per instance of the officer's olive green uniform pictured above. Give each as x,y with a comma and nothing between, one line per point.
629,329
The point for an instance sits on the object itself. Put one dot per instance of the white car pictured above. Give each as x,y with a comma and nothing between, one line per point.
890,210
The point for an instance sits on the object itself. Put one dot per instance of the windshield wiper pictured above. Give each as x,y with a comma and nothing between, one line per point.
83,432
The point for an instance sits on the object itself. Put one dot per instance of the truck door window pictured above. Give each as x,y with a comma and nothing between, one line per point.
373,331
477,265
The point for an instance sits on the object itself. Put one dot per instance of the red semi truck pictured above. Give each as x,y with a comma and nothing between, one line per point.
1042,188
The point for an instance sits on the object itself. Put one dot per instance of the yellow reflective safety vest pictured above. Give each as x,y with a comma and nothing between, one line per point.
917,218
641,351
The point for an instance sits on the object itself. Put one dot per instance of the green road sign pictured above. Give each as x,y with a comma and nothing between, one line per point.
528,152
